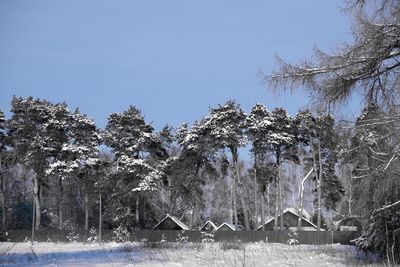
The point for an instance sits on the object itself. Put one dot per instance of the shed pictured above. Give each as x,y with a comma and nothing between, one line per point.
170,223
227,227
208,226
290,220
349,224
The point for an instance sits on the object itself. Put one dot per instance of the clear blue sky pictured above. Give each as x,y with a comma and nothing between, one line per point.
173,59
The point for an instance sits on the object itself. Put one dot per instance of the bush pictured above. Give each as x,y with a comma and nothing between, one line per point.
208,237
121,234
182,239
73,237
293,238
93,236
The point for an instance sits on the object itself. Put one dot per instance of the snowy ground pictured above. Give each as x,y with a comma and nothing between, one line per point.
141,254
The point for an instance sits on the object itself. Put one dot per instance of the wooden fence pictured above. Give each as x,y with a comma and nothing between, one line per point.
304,237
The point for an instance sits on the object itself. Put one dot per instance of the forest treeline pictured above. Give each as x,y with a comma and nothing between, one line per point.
57,165
54,156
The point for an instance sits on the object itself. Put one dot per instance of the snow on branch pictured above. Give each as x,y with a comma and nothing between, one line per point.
386,207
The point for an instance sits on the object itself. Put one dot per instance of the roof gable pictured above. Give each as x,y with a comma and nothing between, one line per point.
174,220
228,225
210,224
304,222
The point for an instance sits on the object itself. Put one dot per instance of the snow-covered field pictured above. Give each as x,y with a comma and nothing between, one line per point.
168,254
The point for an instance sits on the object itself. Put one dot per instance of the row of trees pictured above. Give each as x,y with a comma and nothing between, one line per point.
139,175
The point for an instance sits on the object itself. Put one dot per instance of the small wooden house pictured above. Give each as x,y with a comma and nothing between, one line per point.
171,223
349,224
290,221
227,227
208,226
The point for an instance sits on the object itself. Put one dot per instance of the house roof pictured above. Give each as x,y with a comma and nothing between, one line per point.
209,222
293,211
305,214
266,221
175,220
231,226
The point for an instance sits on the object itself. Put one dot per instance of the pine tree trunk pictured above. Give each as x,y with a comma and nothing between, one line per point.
2,199
235,181
245,210
60,205
292,177
262,212
280,196
213,203
137,210
33,218
300,209
278,208
319,188
86,209
100,217
230,205
36,190
268,200
192,217
276,203
255,192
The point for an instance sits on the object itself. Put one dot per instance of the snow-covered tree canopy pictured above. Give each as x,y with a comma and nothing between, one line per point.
80,149
225,125
139,151
146,175
128,134
282,133
37,129
259,127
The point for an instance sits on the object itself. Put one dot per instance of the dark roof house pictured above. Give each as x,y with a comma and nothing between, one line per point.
290,220
208,226
171,223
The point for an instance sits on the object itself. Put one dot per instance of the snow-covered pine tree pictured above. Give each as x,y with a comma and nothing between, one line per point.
57,130
78,156
258,127
190,169
331,189
225,126
31,141
283,144
139,153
